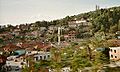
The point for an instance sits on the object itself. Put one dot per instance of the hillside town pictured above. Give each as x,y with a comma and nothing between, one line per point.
73,44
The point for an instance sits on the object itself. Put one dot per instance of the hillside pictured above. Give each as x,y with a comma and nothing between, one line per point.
84,42
101,20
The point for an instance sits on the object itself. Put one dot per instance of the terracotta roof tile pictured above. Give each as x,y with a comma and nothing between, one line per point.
114,42
3,59
11,47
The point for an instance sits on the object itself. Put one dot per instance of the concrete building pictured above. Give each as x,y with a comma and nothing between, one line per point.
76,23
71,36
42,56
28,52
114,53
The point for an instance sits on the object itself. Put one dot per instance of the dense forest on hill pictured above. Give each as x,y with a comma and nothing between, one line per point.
107,20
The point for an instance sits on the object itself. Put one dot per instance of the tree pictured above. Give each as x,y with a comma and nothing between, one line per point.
114,28
56,60
80,60
100,60
102,28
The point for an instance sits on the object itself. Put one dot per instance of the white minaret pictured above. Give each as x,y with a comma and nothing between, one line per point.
119,26
59,35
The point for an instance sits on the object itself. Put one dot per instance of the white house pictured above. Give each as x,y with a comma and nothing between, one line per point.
28,52
114,53
11,57
42,56
65,69
76,23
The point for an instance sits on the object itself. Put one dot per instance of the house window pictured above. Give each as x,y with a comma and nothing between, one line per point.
40,57
36,58
48,56
44,57
115,56
111,56
111,50
29,52
115,51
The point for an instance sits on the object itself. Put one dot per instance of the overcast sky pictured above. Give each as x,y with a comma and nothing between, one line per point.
28,11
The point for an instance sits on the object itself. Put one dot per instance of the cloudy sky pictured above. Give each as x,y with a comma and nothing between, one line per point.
27,11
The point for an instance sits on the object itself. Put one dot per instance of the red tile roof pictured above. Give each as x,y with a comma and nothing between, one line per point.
3,59
43,46
35,45
26,45
10,47
114,42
